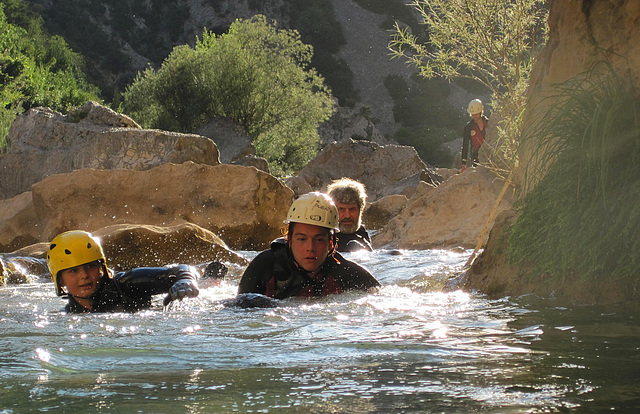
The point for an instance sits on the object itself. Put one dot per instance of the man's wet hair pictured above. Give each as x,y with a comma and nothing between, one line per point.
348,191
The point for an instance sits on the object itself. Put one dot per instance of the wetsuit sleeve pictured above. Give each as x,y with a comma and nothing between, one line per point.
257,274
366,240
149,281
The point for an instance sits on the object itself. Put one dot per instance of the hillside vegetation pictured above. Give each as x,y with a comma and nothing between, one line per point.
37,70
256,75
113,42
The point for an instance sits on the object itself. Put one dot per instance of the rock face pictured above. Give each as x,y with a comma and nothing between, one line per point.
368,58
384,170
346,124
583,33
242,205
450,215
43,142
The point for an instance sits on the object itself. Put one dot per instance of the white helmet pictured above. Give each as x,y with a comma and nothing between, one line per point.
314,208
475,107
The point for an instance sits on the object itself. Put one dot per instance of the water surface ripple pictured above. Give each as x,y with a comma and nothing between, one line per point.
408,348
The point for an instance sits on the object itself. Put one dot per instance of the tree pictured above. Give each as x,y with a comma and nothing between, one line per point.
37,70
493,42
255,75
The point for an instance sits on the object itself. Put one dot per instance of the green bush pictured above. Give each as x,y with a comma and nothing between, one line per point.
582,218
37,70
255,75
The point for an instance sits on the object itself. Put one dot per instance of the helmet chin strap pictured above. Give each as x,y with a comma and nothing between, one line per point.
300,268
81,297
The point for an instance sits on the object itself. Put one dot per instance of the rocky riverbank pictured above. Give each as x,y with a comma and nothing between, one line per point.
96,170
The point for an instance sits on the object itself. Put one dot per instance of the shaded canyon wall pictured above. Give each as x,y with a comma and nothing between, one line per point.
583,34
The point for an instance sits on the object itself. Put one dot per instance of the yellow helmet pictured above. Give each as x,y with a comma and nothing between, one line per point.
314,208
70,249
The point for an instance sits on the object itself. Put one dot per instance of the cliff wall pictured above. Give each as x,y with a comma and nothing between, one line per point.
583,35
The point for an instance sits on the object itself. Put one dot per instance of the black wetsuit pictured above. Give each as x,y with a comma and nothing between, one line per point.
132,291
354,241
274,273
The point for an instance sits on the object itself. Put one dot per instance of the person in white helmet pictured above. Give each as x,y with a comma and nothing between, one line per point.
78,267
473,134
304,262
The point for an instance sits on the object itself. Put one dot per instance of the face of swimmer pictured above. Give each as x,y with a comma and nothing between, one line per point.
310,245
349,217
82,281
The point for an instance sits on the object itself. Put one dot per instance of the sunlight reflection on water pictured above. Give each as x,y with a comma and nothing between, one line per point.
410,347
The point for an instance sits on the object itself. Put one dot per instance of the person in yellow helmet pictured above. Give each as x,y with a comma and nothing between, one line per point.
304,262
79,271
473,134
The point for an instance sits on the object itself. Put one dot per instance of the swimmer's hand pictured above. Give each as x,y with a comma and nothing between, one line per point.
251,300
185,288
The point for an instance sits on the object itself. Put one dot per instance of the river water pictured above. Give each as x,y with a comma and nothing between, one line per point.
409,348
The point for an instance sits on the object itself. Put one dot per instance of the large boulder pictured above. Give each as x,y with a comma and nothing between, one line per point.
232,140
128,246
383,169
234,144
584,36
244,206
450,215
43,142
376,215
19,223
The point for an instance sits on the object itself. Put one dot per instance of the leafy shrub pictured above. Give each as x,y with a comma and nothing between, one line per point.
256,75
37,70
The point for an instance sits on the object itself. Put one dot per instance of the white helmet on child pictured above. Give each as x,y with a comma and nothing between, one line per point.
475,107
